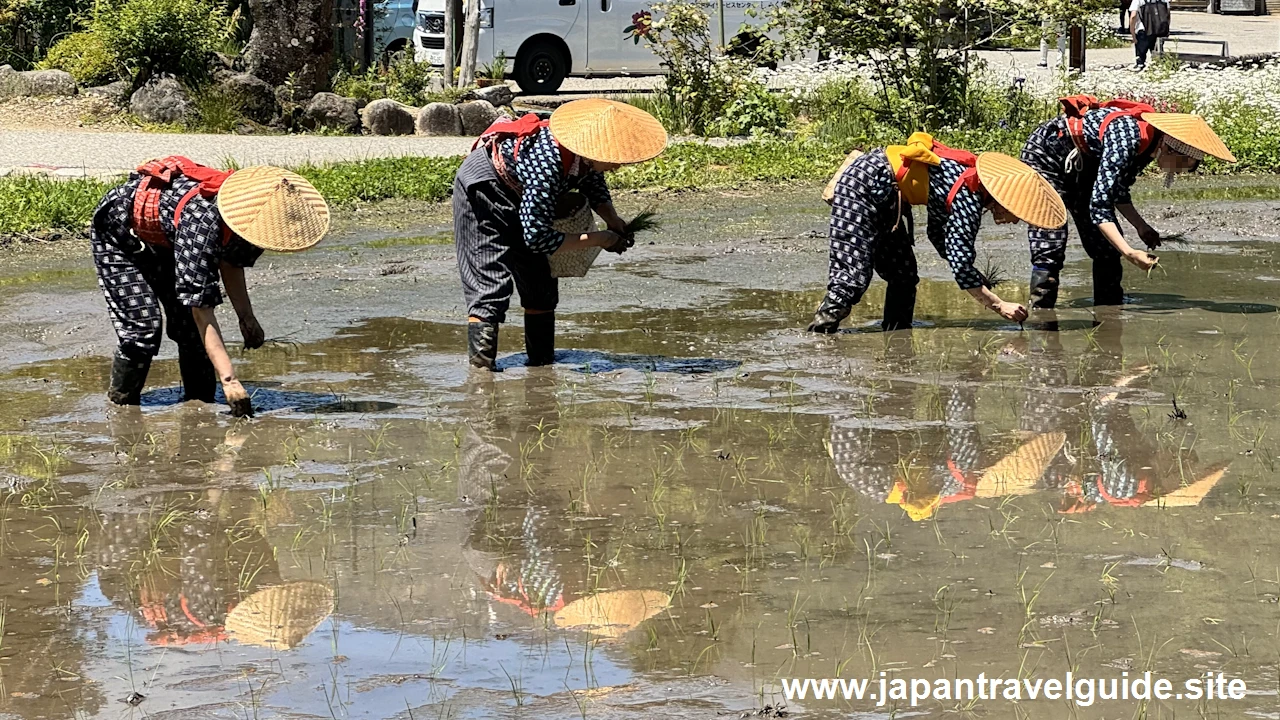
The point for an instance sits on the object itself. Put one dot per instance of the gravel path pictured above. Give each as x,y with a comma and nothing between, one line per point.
79,153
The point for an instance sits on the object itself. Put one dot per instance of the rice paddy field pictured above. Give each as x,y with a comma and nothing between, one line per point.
698,502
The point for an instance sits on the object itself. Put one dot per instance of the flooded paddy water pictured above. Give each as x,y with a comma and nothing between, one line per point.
697,501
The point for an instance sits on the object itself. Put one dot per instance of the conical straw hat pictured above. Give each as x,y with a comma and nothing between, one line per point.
612,614
1192,130
1191,495
1018,472
273,209
608,131
281,616
1020,189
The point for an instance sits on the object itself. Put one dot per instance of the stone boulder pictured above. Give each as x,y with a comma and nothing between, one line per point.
35,83
162,100
257,98
116,93
439,119
334,112
387,117
477,116
495,95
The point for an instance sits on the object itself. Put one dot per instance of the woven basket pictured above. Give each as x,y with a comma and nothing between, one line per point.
573,217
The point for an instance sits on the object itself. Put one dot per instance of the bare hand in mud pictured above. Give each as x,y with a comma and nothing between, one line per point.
1142,260
1011,311
1150,236
252,332
237,399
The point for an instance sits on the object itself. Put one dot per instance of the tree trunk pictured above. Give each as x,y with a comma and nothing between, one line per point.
292,40
470,43
452,24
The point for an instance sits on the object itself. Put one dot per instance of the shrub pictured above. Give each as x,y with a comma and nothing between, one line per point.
175,37
404,79
217,111
86,56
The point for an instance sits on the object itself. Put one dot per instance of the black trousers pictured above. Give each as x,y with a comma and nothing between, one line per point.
1144,44
138,285
493,259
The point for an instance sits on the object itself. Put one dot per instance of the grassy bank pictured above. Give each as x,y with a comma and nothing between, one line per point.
34,206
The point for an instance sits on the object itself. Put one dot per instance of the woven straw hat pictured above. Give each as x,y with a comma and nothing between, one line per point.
1020,189
829,192
1192,130
1018,472
273,209
1189,495
281,616
611,614
608,131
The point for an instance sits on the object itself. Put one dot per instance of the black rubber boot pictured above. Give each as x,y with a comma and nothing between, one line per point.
482,344
899,306
199,381
540,339
827,319
1044,288
128,376
1107,274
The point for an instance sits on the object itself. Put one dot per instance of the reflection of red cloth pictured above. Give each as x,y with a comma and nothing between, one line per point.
156,616
968,484
523,601
1143,494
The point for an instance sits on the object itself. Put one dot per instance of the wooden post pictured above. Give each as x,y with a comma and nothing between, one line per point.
367,49
1076,40
470,43
452,11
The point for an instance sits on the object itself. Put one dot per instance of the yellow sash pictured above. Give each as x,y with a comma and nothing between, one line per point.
917,155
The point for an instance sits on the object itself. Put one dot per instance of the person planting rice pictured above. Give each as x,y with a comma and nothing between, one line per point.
1092,153
164,239
871,223
504,211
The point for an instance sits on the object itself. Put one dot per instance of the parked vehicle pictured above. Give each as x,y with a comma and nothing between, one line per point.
393,26
547,42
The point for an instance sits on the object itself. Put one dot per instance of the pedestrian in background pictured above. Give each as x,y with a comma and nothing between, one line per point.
1148,24
1056,29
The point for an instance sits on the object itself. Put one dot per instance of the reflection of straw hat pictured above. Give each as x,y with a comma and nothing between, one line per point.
919,505
280,617
1192,130
1018,472
1021,190
1192,494
612,613
608,131
273,209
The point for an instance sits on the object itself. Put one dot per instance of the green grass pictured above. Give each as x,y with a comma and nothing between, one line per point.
30,204
420,240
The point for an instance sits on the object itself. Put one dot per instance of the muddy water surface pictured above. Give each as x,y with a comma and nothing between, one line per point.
695,503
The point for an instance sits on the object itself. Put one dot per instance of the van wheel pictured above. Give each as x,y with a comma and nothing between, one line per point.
540,68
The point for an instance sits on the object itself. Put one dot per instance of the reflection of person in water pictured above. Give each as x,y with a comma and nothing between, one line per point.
878,463
512,549
180,569
1132,470
1047,406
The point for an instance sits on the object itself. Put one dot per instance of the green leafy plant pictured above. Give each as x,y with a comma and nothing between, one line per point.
217,111
176,37
496,70
87,57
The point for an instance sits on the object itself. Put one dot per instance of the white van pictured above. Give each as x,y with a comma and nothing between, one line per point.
545,41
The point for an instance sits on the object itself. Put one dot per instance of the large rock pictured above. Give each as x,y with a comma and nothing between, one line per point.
257,98
387,117
35,83
162,100
334,112
291,42
116,93
496,95
439,119
477,116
